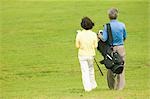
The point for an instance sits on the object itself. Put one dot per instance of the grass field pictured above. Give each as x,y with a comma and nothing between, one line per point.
38,58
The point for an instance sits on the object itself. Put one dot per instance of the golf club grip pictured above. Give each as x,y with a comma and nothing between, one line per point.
98,67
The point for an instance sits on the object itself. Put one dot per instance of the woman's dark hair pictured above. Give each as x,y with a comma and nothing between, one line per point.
87,23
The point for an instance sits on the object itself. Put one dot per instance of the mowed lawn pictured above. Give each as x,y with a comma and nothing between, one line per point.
38,58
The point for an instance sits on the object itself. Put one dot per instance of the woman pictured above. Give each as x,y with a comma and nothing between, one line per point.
119,35
86,42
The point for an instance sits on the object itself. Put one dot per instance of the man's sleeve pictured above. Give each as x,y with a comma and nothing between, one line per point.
104,36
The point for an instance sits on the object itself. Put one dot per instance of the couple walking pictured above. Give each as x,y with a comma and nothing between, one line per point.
87,42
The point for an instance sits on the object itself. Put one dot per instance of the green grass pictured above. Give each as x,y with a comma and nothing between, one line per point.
38,58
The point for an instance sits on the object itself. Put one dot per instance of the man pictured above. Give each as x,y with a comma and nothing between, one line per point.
119,35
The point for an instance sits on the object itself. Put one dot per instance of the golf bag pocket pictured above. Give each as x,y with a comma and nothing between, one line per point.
108,61
114,62
117,69
117,59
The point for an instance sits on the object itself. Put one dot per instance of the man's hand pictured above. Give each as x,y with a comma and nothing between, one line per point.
99,35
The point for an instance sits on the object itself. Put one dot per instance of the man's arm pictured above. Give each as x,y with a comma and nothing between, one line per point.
124,33
103,36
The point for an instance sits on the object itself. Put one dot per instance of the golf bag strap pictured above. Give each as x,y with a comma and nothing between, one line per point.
110,38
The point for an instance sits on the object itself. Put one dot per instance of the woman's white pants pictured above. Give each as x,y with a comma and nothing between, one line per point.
87,69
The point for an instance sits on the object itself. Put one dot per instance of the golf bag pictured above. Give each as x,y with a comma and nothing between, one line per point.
112,60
